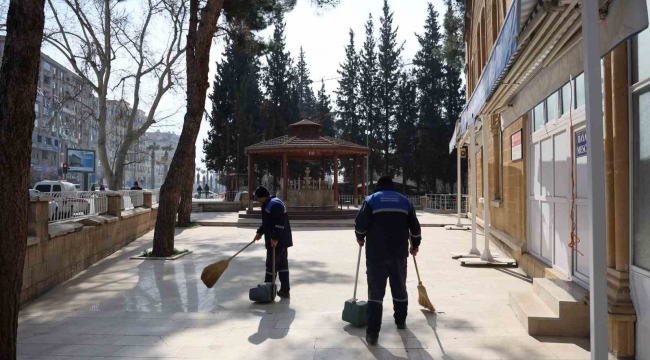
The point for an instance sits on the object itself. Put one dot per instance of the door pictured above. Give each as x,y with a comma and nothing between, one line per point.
550,196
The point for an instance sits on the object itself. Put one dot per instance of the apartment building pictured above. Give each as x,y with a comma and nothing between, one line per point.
525,127
64,119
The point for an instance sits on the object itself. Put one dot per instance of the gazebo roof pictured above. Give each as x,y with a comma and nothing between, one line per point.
306,142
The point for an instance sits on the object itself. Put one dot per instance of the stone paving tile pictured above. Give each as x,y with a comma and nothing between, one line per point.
86,350
132,309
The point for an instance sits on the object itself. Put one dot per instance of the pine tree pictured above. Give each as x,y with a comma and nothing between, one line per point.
430,81
406,116
324,112
277,81
389,63
305,93
236,97
454,93
368,95
347,100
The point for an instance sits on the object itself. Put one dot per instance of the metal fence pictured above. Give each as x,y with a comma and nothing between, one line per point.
345,200
446,202
416,200
71,204
131,199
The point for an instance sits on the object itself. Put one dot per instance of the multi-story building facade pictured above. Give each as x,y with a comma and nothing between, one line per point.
163,145
64,119
525,126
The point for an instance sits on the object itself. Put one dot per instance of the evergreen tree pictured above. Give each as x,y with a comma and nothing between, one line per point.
406,115
368,95
236,98
347,100
324,112
430,81
389,56
306,96
454,92
277,81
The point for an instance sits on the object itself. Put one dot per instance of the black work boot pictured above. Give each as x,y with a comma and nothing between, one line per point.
371,338
401,324
284,294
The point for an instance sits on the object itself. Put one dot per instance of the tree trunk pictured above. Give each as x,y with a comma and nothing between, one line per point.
18,78
185,206
199,41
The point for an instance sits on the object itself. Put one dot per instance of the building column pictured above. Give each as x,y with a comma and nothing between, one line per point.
355,182
285,176
486,255
251,181
336,180
621,317
609,162
322,169
363,176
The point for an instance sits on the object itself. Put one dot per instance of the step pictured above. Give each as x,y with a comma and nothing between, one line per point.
539,319
561,295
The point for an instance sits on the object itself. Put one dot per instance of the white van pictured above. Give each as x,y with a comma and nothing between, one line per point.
66,197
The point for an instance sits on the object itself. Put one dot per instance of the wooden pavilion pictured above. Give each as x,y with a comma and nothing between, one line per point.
305,142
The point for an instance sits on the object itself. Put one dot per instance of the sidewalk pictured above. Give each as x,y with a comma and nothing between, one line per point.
427,219
130,309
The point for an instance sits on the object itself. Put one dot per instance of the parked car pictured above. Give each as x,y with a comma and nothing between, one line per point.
66,196
53,207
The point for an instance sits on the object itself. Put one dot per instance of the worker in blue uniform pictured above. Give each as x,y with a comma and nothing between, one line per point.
277,234
385,221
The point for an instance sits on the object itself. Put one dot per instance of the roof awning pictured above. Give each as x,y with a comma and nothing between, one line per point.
543,47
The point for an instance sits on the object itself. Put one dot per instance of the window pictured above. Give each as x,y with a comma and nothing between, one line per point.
48,141
47,80
580,91
47,66
566,99
39,139
56,143
538,116
641,151
45,155
44,188
36,109
551,107
56,188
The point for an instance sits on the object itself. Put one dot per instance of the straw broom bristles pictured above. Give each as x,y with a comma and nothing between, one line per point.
211,274
423,298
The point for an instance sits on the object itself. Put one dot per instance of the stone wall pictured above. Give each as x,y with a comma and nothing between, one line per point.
319,198
57,252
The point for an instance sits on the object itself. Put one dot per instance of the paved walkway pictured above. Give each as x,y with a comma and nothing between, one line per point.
126,309
427,219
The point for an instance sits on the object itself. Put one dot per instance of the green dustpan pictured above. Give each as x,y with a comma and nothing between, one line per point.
355,311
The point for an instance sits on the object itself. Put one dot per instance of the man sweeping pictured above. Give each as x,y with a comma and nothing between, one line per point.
386,220
277,234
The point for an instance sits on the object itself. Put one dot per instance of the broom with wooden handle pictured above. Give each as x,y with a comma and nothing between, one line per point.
212,273
423,298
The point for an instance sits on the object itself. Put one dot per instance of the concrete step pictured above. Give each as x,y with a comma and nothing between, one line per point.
551,309
561,295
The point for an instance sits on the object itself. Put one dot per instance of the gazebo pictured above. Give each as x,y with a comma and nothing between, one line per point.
305,142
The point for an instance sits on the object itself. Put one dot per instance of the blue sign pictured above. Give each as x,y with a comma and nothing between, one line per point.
581,143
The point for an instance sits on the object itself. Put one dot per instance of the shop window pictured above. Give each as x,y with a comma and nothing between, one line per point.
641,56
580,91
539,116
641,173
551,107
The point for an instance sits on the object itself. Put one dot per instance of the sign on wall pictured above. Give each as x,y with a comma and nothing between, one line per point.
515,145
581,143
80,160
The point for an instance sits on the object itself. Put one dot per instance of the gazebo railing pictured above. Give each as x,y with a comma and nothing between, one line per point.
313,184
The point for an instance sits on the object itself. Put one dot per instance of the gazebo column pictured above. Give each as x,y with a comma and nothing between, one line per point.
285,176
336,180
355,182
251,181
322,169
363,176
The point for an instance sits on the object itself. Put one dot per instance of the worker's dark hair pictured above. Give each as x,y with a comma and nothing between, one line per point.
261,192
385,183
